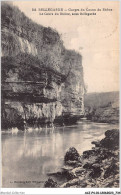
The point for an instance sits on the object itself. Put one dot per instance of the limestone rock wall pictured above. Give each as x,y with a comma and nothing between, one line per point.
41,80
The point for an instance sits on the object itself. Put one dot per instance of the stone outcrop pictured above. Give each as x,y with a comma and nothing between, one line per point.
95,168
102,107
71,155
107,114
42,82
50,184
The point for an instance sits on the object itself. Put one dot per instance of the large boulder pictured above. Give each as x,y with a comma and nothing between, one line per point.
96,171
50,183
112,169
71,155
111,141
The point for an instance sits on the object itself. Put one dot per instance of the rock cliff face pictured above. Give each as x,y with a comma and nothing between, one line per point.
41,80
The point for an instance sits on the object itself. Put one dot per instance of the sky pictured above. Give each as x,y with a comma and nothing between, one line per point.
96,38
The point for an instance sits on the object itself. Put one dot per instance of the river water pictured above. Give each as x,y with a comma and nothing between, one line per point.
28,156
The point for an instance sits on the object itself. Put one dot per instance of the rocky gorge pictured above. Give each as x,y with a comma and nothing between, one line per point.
42,84
42,81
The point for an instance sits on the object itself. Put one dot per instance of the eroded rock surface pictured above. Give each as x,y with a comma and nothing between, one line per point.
42,81
98,168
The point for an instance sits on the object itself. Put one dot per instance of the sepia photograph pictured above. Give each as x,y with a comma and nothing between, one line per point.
60,94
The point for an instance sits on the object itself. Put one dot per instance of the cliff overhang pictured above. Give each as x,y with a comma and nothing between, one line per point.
41,80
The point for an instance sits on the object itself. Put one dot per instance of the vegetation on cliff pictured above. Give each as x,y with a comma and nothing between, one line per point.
16,31
47,41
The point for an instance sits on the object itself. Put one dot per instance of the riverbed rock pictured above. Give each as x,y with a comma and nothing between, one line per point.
50,183
83,185
71,155
67,168
88,153
96,171
98,167
87,165
111,170
72,182
111,141
96,143
70,175
72,163
58,173
78,171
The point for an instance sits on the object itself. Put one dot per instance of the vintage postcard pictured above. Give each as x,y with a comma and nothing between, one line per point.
60,96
